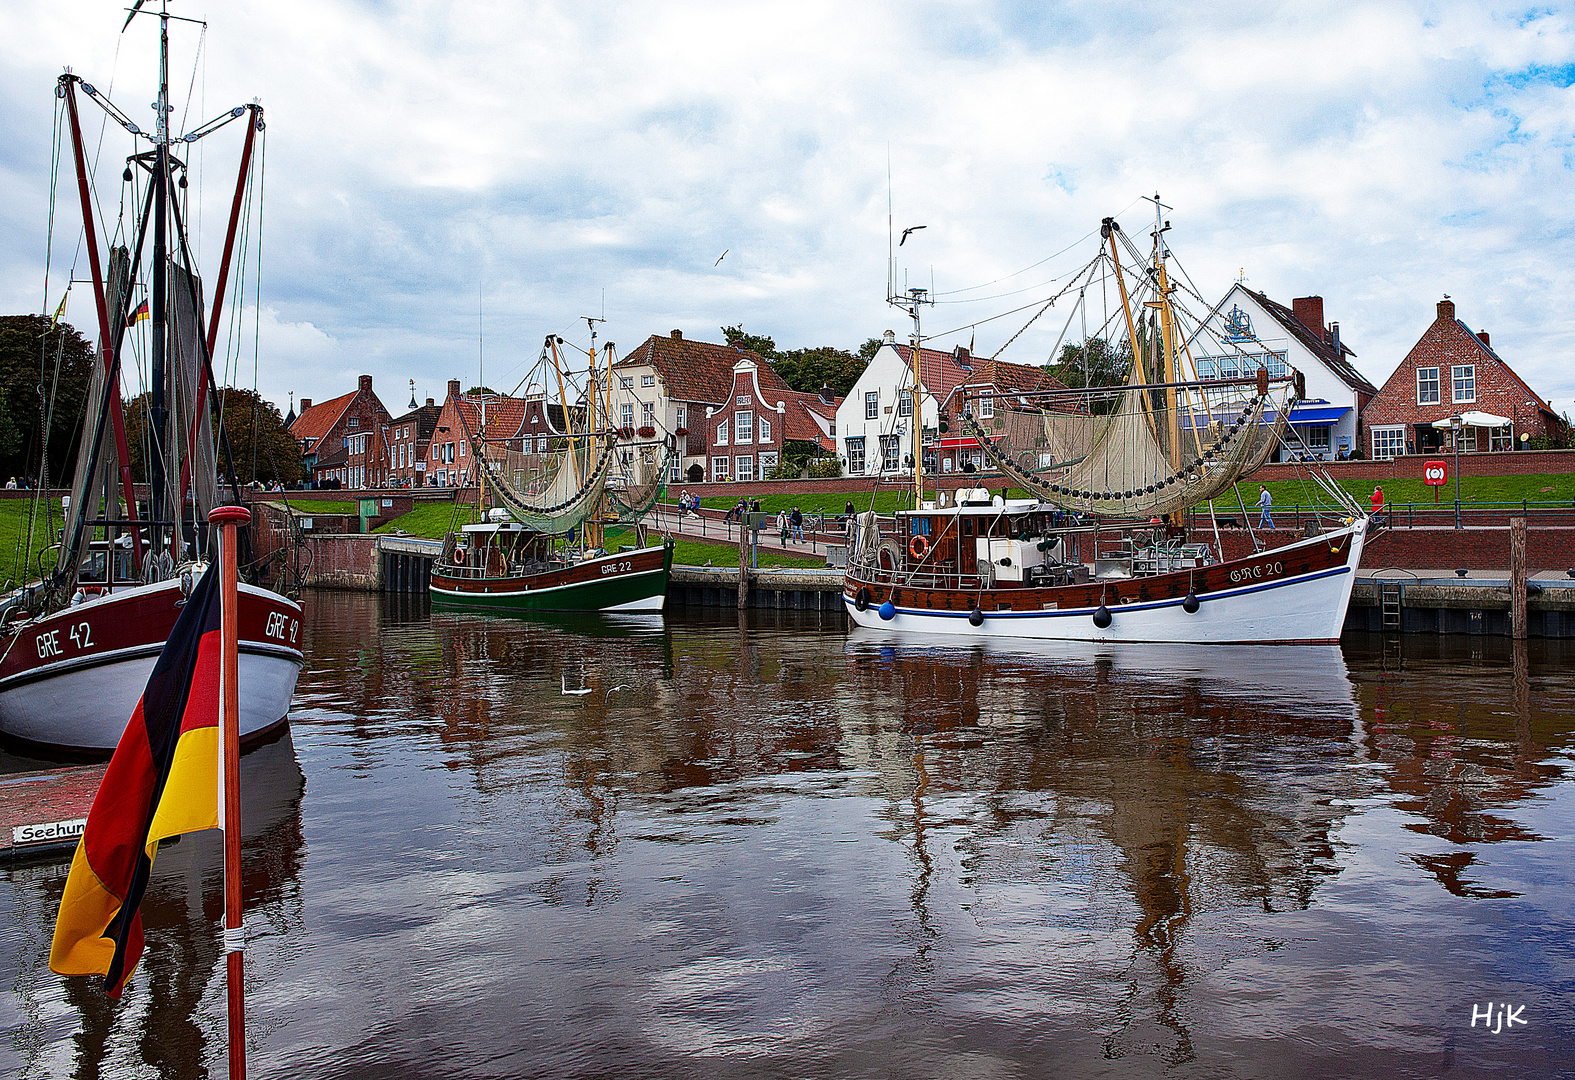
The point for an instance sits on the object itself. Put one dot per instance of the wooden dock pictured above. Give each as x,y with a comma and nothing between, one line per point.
41,813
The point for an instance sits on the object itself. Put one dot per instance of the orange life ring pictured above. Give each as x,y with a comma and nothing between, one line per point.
459,556
918,547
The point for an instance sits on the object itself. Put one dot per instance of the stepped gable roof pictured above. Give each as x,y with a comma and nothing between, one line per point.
505,415
1334,359
319,420
698,370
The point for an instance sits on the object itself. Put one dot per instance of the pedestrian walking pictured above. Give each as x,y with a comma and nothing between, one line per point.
782,526
1265,504
798,525
1378,502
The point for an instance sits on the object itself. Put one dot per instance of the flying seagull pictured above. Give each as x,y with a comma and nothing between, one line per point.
720,257
905,233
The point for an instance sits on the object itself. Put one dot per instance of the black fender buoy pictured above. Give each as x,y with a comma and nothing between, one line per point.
1101,615
976,617
861,600
1190,604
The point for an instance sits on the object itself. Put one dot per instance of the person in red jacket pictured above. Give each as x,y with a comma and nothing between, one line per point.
1378,500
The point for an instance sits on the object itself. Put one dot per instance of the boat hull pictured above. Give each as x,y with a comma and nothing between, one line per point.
69,683
1296,594
630,581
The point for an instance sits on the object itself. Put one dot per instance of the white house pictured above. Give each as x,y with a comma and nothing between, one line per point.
1263,333
875,420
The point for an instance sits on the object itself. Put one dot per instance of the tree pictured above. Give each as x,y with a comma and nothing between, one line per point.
807,370
1094,363
262,446
38,361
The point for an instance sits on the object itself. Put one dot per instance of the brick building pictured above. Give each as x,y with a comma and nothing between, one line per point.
345,439
409,436
745,436
1452,371
669,383
449,460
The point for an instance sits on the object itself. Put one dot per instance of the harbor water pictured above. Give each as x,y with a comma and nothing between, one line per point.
759,845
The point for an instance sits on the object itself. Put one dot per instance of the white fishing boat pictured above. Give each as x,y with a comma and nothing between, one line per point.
1102,550
79,643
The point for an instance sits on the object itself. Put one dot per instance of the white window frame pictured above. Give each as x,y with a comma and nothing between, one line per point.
852,444
1462,383
872,405
987,405
1392,443
743,426
647,380
1501,438
720,467
890,453
626,382
763,430
679,413
721,433
1437,387
904,402
647,414
744,467
768,461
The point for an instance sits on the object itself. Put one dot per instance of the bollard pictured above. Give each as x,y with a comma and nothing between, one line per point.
1517,578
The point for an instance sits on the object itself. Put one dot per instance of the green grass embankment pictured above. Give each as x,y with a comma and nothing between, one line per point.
1545,488
695,553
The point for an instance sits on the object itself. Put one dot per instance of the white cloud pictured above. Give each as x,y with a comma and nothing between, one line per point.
1377,153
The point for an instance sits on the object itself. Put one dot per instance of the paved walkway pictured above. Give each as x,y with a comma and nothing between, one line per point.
712,530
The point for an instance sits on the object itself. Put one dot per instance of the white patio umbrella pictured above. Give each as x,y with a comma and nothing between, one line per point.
1473,419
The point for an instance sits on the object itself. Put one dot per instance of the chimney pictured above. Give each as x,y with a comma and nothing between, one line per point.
306,403
431,404
1446,309
889,337
960,354
827,394
366,384
1483,334
1334,337
678,335
453,388
1309,312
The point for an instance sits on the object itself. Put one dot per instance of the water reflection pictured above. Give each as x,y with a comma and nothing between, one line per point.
167,1022
757,844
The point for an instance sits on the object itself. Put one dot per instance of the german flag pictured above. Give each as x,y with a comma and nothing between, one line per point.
139,314
163,780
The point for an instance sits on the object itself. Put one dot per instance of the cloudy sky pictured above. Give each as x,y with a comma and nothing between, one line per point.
547,161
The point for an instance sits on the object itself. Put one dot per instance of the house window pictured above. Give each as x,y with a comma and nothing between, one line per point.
719,468
1208,369
986,405
461,449
1463,379
627,412
675,474
767,463
743,427
855,454
679,414
888,453
626,381
1499,438
721,433
1230,367
1388,442
765,430
647,380
355,422
1318,439
1427,386
746,466
648,414
872,405
905,403
1279,367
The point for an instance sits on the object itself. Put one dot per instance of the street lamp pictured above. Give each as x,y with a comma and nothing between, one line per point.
1455,424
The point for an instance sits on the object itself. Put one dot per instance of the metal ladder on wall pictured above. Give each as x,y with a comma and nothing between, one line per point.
1391,597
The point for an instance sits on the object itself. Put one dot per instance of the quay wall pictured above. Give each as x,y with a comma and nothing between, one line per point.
343,561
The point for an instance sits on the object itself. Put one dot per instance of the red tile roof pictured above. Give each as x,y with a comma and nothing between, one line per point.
943,372
798,424
1319,344
319,420
505,415
700,371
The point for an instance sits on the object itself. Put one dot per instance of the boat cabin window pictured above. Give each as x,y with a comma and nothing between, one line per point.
921,526
967,526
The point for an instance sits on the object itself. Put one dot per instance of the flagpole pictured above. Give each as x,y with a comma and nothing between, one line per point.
228,519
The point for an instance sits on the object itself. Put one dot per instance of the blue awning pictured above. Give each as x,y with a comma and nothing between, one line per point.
1318,414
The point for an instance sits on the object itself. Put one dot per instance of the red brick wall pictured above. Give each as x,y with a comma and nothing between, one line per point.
1516,463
